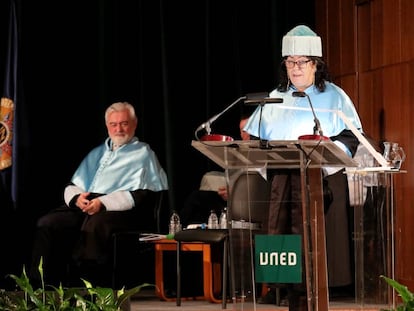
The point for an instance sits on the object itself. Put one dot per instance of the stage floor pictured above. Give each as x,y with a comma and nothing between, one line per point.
148,301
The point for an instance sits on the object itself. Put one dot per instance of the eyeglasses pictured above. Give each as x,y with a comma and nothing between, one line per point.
301,63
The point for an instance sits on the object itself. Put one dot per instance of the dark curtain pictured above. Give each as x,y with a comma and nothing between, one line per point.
178,62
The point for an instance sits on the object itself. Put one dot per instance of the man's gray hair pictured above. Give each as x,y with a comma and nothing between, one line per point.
120,106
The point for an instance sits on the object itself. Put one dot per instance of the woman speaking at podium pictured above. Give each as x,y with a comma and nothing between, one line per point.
305,83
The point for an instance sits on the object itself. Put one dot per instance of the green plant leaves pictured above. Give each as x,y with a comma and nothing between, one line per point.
86,298
405,294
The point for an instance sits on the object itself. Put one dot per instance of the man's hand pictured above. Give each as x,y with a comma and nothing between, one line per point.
88,206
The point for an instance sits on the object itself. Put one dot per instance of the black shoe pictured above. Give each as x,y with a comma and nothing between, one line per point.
269,298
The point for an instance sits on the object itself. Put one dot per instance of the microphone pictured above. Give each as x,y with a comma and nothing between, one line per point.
250,99
206,125
261,98
317,130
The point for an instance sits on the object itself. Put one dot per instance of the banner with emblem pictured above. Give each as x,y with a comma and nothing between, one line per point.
278,258
8,107
6,132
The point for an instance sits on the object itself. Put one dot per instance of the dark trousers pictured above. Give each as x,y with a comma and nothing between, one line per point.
286,217
67,237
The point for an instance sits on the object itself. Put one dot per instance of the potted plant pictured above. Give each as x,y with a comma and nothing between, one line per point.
47,298
407,297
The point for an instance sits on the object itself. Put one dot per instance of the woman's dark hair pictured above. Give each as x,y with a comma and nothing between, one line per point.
321,75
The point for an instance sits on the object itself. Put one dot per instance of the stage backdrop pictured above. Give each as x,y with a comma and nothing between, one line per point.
177,62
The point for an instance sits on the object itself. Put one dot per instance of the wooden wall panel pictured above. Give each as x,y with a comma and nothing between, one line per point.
347,83
370,109
376,24
407,29
391,91
404,216
384,79
407,108
321,18
378,102
391,44
404,219
333,37
363,38
347,37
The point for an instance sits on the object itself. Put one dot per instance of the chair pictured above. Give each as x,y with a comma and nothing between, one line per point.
125,245
210,237
249,201
248,210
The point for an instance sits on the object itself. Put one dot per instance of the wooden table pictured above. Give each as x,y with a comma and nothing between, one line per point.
211,269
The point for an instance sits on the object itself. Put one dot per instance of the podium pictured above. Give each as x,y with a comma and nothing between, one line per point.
309,156
372,201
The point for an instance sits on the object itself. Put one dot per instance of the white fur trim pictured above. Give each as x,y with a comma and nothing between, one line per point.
70,192
117,201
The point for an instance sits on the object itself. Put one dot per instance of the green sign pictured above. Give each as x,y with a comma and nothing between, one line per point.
278,258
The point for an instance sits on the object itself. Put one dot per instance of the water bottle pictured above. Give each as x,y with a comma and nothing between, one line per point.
213,222
175,224
223,218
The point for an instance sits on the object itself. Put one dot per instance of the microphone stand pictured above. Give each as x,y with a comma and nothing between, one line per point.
207,125
260,100
250,99
317,134
317,130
